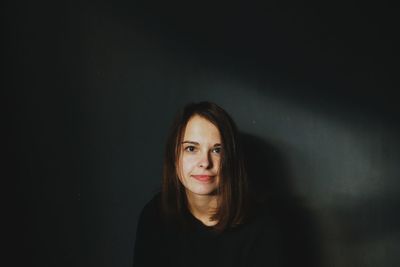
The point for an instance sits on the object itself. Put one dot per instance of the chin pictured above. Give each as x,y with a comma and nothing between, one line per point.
210,190
195,187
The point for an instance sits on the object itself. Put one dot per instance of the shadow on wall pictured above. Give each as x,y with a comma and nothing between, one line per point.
269,178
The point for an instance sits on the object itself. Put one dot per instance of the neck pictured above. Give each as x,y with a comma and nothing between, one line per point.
202,207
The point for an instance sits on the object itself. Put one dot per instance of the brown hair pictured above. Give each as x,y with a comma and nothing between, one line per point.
232,187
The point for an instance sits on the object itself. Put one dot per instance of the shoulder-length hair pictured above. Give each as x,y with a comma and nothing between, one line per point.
232,188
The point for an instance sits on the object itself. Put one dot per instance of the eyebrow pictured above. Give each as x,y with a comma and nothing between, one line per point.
197,144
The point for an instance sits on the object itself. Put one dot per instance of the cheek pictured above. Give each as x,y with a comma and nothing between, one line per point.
188,164
217,162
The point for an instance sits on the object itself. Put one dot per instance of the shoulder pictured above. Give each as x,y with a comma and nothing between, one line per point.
260,237
151,210
149,225
262,223
148,234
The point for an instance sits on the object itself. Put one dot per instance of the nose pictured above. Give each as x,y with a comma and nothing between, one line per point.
205,161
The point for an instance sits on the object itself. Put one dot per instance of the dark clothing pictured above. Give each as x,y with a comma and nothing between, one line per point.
255,243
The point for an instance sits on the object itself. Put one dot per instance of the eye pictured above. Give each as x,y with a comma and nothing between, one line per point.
216,150
190,149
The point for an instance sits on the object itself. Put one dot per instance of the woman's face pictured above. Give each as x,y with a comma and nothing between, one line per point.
199,161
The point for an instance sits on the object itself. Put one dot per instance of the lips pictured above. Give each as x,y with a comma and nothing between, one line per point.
203,178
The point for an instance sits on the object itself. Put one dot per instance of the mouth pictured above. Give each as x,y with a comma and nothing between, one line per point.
203,178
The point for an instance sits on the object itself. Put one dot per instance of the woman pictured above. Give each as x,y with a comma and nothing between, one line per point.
202,216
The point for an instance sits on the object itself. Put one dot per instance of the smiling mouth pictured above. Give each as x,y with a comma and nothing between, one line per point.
203,178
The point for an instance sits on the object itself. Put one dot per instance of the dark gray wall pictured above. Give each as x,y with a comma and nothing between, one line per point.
92,89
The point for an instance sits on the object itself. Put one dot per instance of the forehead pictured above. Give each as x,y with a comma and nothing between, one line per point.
201,129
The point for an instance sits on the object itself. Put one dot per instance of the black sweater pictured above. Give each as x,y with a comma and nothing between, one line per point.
255,243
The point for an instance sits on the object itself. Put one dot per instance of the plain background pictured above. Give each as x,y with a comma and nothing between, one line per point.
92,88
